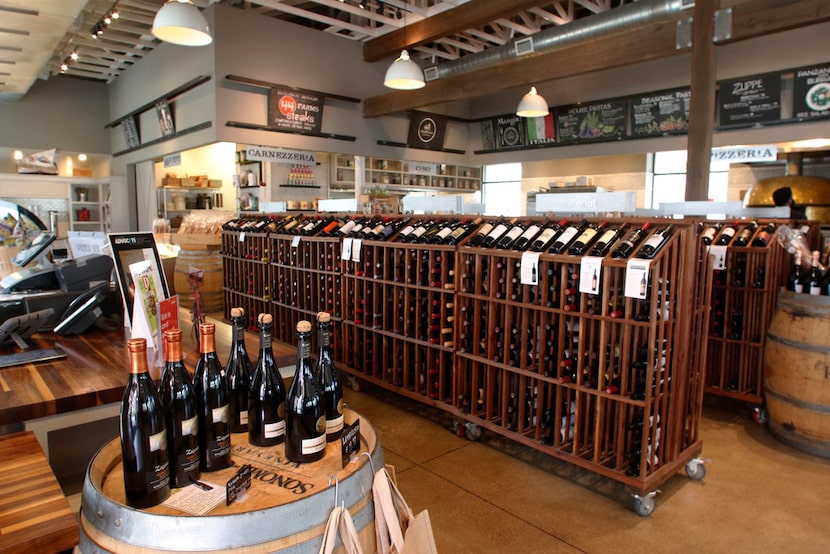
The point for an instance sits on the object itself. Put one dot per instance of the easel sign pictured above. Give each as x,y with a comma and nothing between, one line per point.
131,248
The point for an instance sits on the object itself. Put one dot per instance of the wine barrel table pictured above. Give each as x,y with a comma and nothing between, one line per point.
797,372
286,508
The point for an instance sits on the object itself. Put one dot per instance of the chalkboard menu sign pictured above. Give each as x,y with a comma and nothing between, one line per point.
811,92
597,121
660,113
297,112
750,101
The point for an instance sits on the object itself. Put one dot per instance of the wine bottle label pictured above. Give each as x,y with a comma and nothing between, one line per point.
485,230
531,231
188,460
654,240
243,417
514,233
158,441
419,231
313,445
587,235
348,226
218,448
546,235
220,414
497,232
190,426
606,236
334,425
273,430
567,235
406,230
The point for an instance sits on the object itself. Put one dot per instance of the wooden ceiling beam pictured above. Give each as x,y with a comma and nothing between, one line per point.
750,19
475,13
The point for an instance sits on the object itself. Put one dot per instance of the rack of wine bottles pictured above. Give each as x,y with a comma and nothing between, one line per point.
591,352
749,268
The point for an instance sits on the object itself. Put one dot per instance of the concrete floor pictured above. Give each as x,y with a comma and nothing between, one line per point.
494,496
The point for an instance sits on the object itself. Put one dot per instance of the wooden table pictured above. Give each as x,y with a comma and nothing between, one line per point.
94,372
35,516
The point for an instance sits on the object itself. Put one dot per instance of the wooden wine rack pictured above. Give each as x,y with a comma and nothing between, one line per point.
609,383
744,297
247,281
568,373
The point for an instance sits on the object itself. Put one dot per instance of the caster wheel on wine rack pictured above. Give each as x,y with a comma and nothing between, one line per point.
354,384
472,432
695,470
644,505
759,416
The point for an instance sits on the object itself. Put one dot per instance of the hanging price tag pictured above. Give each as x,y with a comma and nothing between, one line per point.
346,251
719,252
529,271
636,278
242,236
590,274
296,242
356,245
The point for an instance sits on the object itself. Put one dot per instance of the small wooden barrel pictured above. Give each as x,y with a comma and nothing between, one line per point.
286,508
210,263
797,372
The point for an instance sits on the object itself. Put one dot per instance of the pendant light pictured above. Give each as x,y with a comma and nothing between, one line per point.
532,105
404,74
180,22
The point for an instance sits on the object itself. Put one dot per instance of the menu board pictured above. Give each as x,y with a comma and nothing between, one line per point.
660,113
510,132
750,101
811,92
596,121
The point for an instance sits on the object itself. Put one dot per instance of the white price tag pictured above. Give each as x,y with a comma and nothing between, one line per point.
242,236
346,251
590,274
719,252
296,241
529,271
636,278
356,245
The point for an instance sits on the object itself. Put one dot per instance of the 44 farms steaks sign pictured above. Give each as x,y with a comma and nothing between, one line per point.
297,112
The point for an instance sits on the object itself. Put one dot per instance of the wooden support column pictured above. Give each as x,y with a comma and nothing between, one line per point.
702,102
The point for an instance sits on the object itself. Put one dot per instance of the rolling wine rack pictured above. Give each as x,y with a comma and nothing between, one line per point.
609,383
744,296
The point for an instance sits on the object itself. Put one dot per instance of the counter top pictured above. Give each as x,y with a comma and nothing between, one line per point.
94,372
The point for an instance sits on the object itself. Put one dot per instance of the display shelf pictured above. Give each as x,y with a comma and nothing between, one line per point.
174,202
404,176
89,206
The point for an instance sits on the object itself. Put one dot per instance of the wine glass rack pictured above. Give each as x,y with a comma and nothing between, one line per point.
607,382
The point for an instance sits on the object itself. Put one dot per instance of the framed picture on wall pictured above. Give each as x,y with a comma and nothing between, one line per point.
131,135
165,118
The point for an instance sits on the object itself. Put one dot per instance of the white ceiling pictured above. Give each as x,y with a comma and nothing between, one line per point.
36,37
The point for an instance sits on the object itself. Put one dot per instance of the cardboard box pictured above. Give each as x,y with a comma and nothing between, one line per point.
171,182
188,182
215,183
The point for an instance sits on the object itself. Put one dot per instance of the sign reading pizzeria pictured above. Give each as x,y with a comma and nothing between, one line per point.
297,112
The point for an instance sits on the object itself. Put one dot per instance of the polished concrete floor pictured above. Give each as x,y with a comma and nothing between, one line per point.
492,496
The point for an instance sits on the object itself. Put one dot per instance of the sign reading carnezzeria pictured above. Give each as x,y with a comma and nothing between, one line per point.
297,112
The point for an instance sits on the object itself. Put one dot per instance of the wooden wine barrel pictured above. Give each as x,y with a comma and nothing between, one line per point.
210,263
797,372
286,508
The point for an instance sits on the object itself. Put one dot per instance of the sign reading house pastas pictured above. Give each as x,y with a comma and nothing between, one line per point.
297,112
811,92
596,121
660,113
750,100
426,130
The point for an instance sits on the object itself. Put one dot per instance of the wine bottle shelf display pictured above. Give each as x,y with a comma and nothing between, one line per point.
603,369
749,269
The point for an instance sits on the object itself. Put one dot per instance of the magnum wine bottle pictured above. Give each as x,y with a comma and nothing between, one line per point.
238,372
305,423
181,413
266,401
212,398
327,379
143,435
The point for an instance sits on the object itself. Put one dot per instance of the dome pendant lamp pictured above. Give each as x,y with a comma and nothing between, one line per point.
180,22
532,105
404,74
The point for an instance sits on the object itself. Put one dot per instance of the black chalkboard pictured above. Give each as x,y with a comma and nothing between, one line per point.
660,113
811,92
750,100
591,122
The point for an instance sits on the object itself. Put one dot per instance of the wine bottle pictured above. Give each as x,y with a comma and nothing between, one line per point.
746,233
181,413
547,235
462,231
510,236
708,234
655,242
143,435
727,234
606,240
266,401
567,237
327,379
630,242
494,235
212,399
795,281
585,239
815,275
527,237
481,234
305,422
238,372
763,236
